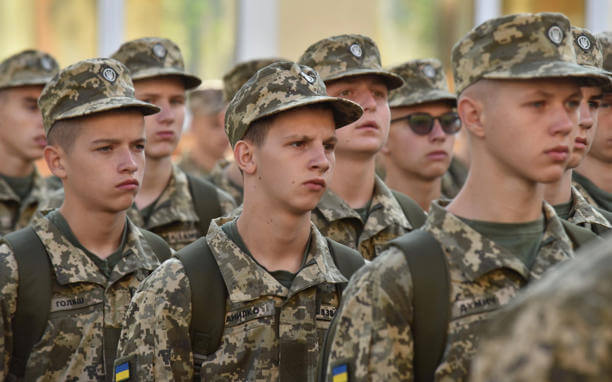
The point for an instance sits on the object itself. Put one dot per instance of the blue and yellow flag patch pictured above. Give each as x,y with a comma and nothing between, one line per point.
340,373
122,372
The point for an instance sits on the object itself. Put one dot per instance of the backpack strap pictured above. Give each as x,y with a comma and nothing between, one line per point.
413,212
158,245
205,201
578,235
347,260
431,307
208,296
34,293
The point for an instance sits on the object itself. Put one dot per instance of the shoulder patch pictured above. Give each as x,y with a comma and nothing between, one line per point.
122,372
340,373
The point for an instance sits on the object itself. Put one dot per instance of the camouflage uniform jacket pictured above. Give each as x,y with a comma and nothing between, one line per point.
585,194
372,332
85,304
585,215
174,217
188,165
453,179
557,330
271,333
338,221
219,178
14,213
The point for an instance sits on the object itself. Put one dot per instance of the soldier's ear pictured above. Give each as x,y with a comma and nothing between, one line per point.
54,156
244,157
471,112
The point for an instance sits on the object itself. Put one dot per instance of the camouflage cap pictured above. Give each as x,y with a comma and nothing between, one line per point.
241,72
520,46
588,49
424,81
29,67
605,39
151,57
347,55
207,99
279,87
87,87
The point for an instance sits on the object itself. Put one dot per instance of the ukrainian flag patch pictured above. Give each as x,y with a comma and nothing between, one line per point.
122,372
340,373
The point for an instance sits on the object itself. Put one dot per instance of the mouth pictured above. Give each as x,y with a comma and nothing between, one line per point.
315,184
128,185
559,153
437,155
368,125
165,134
41,140
580,143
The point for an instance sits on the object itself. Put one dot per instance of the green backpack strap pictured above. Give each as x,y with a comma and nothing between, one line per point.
413,212
431,307
205,201
347,260
158,245
208,296
578,235
34,293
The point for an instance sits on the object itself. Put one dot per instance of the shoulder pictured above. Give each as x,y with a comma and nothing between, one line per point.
166,280
9,276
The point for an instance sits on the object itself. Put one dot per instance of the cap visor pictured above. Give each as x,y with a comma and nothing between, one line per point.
27,82
421,97
392,80
190,81
549,69
107,104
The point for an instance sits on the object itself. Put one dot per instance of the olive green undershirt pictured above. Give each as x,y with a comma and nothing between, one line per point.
106,265
521,239
147,211
603,198
21,185
563,210
285,278
364,211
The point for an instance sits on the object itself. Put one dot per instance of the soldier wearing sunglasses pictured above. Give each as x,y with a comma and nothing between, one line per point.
423,126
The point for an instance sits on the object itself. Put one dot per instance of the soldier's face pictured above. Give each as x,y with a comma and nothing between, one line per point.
528,126
295,163
602,142
587,124
164,128
366,136
424,156
104,168
21,129
209,134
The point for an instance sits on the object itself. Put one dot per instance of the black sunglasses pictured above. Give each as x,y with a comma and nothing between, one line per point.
423,123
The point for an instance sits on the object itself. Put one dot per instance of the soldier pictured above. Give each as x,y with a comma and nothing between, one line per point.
207,112
568,202
226,174
170,203
497,235
557,330
592,177
279,283
22,138
67,279
419,150
358,209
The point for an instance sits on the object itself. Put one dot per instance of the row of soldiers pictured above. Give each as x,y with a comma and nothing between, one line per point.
133,268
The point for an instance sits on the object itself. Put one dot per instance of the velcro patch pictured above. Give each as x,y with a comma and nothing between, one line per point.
122,372
59,304
240,316
326,312
340,373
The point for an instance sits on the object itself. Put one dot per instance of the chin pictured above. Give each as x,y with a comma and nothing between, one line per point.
549,176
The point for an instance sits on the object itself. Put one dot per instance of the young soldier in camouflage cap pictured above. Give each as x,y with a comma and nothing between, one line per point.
557,330
91,255
419,149
22,138
281,280
207,113
358,209
170,202
497,234
226,175
568,201
592,177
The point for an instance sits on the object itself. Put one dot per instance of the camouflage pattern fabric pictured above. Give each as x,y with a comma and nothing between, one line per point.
240,74
584,214
581,182
29,67
189,166
424,81
588,49
605,40
206,100
520,46
173,217
453,179
338,221
84,303
557,330
348,55
218,176
372,332
151,57
89,86
16,214
279,87
271,333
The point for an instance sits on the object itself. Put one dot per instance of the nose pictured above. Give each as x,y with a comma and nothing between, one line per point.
166,115
367,100
127,161
437,134
585,116
565,121
321,159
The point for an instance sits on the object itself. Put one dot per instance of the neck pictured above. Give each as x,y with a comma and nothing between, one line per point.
11,165
203,159
156,177
278,243
598,172
490,195
354,180
423,191
98,231
560,191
